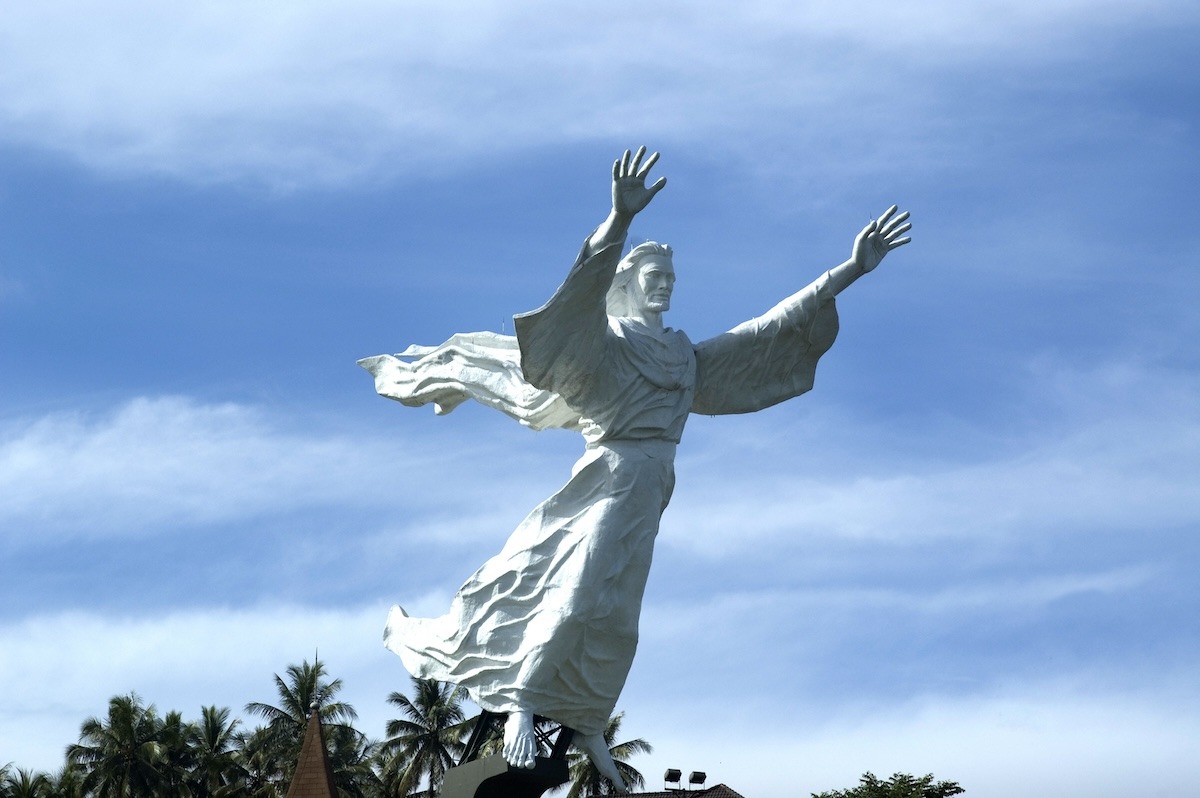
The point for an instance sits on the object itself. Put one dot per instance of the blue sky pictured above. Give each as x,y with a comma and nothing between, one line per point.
971,550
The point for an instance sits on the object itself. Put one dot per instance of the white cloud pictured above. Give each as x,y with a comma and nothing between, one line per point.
747,611
164,463
1064,739
164,460
1072,734
67,666
799,639
315,93
1117,447
176,462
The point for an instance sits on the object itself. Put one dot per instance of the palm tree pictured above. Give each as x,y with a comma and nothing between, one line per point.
586,779
214,745
121,756
26,784
260,772
426,740
304,688
67,783
178,758
352,758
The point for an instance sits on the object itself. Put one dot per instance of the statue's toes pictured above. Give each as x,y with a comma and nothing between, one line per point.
520,755
530,755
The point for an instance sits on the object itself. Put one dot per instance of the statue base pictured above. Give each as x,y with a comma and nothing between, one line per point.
492,777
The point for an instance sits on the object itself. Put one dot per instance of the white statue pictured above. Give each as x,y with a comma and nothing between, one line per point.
549,625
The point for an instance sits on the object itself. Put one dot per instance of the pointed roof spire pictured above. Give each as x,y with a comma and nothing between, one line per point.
314,776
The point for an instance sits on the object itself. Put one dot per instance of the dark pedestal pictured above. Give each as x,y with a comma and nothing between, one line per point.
491,777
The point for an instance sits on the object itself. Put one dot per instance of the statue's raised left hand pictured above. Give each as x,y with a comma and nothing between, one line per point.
630,194
879,238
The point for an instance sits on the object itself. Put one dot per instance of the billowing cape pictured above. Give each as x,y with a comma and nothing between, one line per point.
483,366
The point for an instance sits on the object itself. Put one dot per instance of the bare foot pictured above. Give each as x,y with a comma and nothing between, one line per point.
596,748
520,745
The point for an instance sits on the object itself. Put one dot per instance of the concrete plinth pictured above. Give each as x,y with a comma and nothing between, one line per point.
492,777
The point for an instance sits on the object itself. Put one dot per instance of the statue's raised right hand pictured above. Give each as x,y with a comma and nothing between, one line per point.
879,238
629,191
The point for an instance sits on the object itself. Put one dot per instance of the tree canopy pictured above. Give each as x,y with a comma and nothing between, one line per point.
133,751
900,785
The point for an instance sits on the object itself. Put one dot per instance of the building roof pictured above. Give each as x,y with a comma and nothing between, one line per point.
314,777
719,791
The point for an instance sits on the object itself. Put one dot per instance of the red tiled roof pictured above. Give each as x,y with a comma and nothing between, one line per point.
314,777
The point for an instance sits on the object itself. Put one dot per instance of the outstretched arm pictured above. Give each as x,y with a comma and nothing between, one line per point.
565,343
773,357
877,239
630,195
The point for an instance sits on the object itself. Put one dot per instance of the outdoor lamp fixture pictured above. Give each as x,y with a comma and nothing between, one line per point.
697,777
673,776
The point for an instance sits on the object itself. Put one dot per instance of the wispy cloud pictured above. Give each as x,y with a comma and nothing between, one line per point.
128,466
160,460
1069,738
734,605
170,462
1123,457
163,465
314,94
69,665
1116,447
823,642
1073,730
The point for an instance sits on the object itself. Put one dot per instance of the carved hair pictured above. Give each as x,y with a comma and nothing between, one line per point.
618,300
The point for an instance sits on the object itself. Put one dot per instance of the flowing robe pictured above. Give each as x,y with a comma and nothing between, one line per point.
550,624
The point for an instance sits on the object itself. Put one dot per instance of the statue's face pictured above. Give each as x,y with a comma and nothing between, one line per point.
655,282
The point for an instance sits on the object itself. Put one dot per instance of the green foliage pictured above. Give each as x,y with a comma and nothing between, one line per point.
67,783
426,740
900,785
277,745
260,770
353,759
25,784
586,780
304,687
214,743
123,755
133,752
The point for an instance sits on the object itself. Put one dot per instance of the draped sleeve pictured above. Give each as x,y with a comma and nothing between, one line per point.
768,359
482,366
565,343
